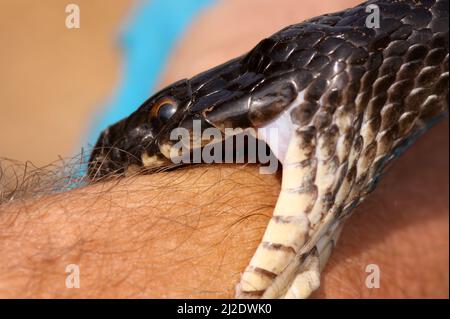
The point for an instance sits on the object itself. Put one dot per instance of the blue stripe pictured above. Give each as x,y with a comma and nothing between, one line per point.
155,27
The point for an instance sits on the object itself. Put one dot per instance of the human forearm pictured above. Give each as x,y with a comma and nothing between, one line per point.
181,234
190,233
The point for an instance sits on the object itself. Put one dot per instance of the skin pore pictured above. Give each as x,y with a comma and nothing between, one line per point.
190,233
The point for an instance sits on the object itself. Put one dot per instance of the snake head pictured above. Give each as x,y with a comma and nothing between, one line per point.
211,99
139,140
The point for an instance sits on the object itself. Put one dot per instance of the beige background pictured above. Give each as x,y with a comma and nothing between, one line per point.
52,77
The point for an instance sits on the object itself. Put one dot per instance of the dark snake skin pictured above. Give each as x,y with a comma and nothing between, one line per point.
392,78
367,94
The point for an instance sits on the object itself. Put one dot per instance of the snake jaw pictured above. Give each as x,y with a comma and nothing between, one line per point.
138,140
153,160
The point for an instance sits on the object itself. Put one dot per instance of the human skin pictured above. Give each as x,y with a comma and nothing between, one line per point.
191,232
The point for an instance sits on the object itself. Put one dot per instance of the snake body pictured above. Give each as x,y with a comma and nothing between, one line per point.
348,99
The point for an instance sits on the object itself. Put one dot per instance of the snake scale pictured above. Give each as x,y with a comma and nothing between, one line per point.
347,99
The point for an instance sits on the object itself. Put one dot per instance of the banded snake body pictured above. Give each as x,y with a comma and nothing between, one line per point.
347,99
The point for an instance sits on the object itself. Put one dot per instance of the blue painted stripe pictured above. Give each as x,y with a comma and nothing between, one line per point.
155,27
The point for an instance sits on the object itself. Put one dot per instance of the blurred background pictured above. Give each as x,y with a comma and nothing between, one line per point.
60,86
53,78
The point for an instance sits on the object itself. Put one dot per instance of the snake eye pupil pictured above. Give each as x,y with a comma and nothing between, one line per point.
166,111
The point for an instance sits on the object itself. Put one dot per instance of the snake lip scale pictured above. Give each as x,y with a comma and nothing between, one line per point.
347,99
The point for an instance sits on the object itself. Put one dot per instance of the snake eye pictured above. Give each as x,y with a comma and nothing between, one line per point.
164,110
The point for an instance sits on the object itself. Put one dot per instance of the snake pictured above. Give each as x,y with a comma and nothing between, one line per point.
348,92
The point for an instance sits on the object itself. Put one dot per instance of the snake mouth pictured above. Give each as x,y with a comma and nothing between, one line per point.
118,149
106,158
154,160
113,161
125,148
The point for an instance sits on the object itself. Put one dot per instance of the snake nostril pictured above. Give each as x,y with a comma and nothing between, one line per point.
101,166
98,165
